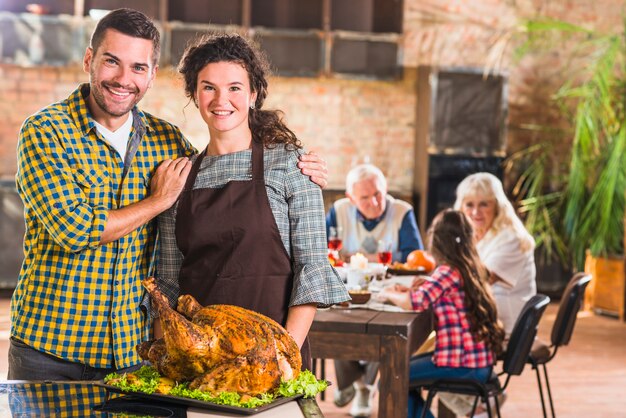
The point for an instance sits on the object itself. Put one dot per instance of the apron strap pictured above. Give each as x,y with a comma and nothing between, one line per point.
257,162
191,179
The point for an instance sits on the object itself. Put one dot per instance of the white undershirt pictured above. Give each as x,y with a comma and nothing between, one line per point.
118,138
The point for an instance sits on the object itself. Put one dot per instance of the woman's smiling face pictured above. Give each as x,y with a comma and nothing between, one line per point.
481,210
224,96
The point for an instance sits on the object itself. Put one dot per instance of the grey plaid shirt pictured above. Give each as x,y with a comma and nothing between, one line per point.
298,208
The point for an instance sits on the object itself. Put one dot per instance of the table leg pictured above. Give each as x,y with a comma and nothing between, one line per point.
394,377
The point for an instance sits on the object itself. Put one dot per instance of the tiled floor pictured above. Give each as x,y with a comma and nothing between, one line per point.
588,377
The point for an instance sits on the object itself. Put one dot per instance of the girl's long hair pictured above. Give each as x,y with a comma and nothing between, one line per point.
452,243
267,126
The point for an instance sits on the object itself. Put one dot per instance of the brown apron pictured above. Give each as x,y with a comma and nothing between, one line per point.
233,252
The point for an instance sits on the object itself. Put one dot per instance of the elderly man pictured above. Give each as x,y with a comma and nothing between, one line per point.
369,215
366,216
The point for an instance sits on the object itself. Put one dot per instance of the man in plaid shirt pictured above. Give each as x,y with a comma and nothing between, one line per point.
93,172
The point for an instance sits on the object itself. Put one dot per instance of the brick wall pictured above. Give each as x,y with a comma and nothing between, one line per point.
348,120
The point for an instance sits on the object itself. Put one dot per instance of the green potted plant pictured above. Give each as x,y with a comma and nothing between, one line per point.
584,214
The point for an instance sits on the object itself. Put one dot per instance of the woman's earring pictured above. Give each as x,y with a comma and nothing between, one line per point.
252,106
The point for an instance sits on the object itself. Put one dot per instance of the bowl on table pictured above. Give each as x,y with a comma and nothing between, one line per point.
360,297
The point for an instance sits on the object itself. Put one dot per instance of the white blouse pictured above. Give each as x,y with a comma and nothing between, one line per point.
500,252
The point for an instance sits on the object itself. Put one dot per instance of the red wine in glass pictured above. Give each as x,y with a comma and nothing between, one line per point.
335,244
384,257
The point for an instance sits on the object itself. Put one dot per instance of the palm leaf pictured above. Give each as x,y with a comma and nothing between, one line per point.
587,212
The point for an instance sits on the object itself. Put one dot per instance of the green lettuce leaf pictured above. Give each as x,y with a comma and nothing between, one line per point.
147,378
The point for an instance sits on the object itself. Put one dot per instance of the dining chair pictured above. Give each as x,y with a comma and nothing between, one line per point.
541,353
518,350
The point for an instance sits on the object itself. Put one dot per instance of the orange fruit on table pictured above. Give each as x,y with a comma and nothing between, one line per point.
421,260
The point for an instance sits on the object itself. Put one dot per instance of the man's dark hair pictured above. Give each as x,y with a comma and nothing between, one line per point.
129,22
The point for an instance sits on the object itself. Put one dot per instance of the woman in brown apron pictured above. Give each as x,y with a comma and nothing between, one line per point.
249,228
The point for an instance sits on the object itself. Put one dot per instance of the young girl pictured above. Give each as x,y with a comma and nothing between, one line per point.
469,335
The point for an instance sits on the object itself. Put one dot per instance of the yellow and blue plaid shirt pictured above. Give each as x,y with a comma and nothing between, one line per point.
76,299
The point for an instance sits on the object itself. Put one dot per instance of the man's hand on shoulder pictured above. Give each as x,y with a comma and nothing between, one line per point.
169,180
165,186
314,166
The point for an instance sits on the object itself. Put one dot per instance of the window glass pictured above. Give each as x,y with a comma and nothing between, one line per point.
375,16
287,14
216,12
293,55
149,7
370,58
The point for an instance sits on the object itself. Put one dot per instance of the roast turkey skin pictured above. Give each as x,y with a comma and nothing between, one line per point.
219,348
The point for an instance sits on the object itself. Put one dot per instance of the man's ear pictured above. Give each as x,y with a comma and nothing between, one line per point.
153,76
87,59
349,196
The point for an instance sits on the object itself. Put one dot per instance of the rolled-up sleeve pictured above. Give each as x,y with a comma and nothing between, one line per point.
170,258
63,196
315,280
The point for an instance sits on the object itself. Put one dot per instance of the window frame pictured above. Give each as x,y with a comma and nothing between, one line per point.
80,24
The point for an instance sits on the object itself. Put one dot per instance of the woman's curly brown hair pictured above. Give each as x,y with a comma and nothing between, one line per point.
267,126
452,243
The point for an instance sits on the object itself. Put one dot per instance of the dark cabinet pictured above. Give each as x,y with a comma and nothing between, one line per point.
445,172
461,129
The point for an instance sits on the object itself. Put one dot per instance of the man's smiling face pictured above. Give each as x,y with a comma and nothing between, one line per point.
120,73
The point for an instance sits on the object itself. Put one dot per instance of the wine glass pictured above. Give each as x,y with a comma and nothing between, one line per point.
334,239
384,252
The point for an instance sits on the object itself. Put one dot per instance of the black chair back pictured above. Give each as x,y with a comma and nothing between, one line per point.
523,334
568,308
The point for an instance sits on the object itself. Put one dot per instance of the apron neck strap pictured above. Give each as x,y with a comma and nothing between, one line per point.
257,160
191,179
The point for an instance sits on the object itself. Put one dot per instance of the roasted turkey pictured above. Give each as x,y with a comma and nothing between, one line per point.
220,348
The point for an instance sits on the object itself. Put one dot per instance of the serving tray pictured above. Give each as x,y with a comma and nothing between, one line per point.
200,404
402,272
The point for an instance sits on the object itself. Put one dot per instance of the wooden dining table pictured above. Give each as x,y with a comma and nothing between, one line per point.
387,337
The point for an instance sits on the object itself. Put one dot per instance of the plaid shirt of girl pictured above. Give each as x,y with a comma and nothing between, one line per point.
454,345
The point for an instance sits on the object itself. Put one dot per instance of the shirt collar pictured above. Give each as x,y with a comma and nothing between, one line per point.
82,116
371,223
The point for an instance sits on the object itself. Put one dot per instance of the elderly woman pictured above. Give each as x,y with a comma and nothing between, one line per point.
503,244
505,248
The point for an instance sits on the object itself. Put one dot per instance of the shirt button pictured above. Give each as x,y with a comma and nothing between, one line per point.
113,316
117,282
